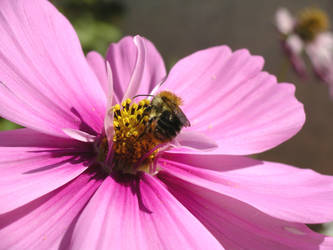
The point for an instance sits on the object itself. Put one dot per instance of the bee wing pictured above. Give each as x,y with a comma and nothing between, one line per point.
179,113
182,117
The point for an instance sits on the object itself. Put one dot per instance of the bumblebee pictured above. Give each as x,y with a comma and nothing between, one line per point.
166,119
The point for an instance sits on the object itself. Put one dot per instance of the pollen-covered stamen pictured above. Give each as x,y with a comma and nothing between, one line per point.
311,22
132,140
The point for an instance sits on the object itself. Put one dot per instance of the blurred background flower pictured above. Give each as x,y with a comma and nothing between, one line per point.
306,37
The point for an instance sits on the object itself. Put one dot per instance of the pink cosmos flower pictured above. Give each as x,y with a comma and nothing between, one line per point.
308,35
58,190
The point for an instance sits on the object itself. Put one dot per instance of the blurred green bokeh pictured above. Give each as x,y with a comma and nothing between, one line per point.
96,35
96,23
7,125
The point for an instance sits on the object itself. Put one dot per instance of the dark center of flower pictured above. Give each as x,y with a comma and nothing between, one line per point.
310,23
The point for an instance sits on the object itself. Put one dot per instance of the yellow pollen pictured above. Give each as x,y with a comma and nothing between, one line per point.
311,22
132,140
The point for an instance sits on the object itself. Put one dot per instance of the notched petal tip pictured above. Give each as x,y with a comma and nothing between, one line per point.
298,105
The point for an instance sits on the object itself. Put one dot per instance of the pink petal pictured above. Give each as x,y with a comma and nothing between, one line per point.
33,164
278,190
295,44
43,223
194,140
294,47
111,101
97,63
128,216
320,53
284,21
228,98
79,135
44,71
238,225
126,59
137,74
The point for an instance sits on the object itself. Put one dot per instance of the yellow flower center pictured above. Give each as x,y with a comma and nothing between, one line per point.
134,145
311,22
